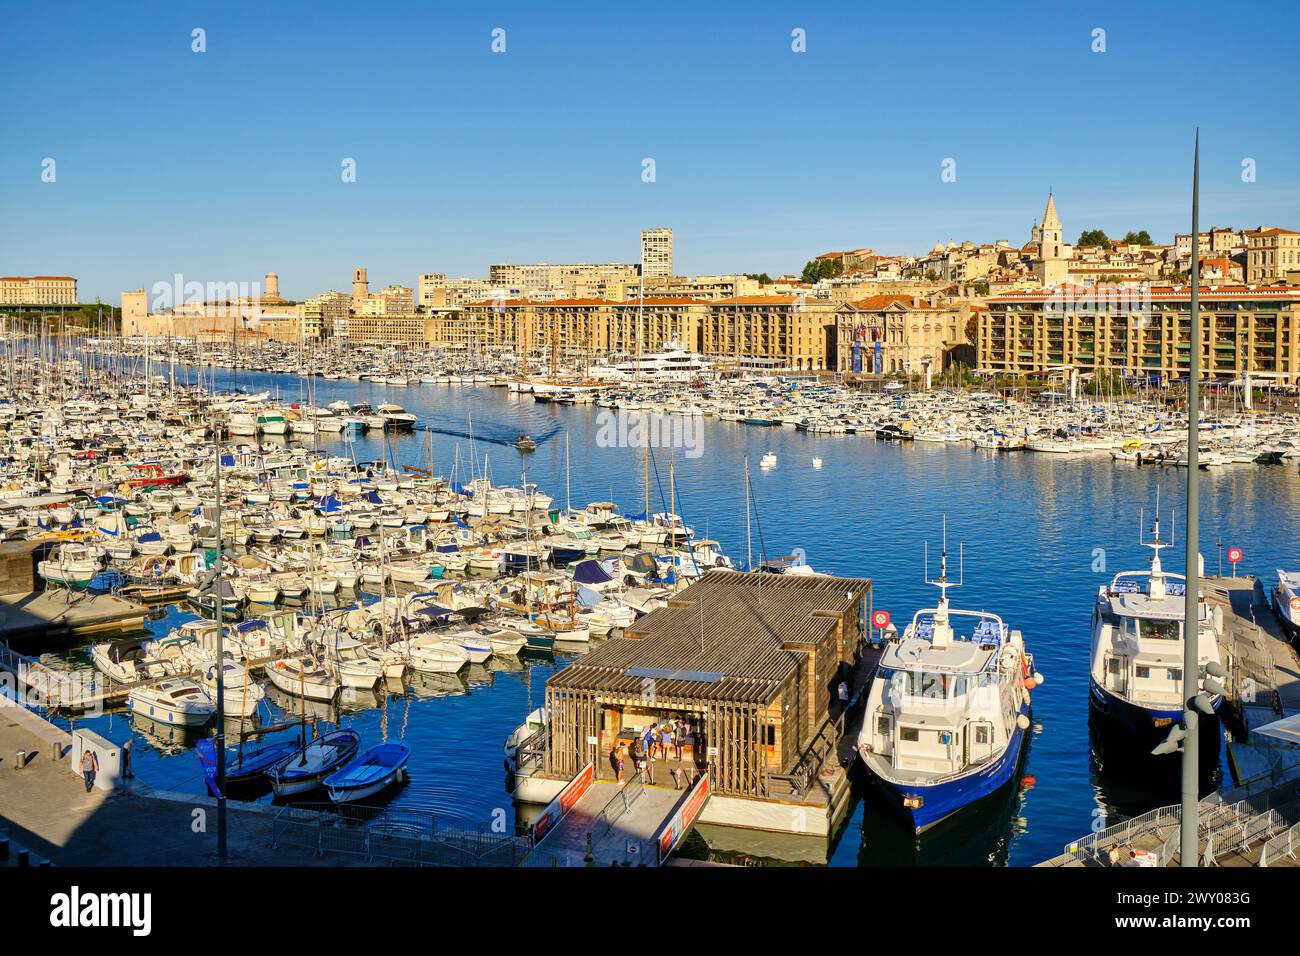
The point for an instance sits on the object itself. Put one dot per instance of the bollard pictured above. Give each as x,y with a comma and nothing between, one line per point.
20,760
4,848
24,856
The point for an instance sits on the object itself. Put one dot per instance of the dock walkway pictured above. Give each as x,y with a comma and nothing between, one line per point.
620,834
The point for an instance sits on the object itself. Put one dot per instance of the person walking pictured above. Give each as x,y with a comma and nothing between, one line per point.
89,767
616,762
126,759
679,732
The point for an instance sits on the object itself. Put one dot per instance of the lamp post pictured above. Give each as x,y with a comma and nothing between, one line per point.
1189,842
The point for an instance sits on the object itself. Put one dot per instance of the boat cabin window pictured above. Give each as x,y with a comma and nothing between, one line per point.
1144,672
982,734
882,726
908,733
1159,630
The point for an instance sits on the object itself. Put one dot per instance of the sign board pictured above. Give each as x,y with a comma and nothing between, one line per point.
559,808
713,751
593,740
1234,555
683,817
880,619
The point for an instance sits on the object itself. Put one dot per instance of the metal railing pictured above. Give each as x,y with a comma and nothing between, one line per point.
618,805
1092,846
398,837
1284,844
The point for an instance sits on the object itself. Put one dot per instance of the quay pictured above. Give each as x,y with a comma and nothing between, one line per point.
27,611
1256,822
49,817
753,663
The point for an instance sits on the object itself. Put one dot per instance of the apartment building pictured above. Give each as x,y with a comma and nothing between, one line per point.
657,253
1142,331
776,331
1272,254
391,328
578,280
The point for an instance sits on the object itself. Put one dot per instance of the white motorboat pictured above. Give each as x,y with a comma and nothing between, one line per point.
303,677
179,701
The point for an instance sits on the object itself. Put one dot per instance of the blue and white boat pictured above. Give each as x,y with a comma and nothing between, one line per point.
1136,684
307,767
947,712
377,768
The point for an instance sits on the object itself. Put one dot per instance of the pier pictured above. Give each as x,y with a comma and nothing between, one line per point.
752,663
1257,821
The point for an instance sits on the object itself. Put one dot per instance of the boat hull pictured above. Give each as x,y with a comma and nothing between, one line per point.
942,800
1142,728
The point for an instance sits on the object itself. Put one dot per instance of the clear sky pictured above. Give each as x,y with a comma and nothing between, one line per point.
226,164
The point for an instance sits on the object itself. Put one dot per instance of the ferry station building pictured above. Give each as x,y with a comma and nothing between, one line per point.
751,661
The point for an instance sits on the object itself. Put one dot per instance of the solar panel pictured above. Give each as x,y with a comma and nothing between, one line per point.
667,673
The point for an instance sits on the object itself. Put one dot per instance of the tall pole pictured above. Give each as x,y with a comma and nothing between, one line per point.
221,659
1189,841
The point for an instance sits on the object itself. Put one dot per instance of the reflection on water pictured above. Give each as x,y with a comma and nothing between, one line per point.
1040,534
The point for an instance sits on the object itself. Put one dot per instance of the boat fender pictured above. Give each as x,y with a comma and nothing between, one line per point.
1038,679
1022,722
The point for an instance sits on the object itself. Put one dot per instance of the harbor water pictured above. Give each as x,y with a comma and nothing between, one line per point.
1038,533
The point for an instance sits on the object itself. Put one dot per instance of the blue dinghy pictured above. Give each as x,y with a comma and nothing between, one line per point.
370,773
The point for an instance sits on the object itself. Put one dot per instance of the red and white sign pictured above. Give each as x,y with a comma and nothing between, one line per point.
559,808
1234,555
880,619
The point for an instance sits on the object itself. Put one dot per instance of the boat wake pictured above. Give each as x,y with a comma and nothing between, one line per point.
506,437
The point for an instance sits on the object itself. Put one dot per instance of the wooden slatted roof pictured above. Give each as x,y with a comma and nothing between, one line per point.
745,632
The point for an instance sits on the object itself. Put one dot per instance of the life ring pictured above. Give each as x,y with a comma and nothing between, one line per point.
1295,604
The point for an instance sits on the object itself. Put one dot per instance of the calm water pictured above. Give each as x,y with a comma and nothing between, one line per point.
1030,525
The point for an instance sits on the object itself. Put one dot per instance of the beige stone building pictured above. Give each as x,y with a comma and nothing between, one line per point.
1142,332
541,281
37,290
911,331
1272,254
410,328
772,331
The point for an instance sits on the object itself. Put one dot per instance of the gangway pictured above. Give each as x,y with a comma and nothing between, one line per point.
635,824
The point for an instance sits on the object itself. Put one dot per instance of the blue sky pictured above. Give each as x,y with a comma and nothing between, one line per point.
226,164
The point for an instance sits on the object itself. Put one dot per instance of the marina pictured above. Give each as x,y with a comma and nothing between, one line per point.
304,595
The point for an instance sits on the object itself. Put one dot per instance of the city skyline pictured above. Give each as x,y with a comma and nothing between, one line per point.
224,163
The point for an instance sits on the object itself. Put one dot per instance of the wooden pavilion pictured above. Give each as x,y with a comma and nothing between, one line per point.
750,661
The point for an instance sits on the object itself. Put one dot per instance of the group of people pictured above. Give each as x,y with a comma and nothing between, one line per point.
656,742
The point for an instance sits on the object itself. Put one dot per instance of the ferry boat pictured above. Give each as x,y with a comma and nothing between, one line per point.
1136,682
1286,601
947,712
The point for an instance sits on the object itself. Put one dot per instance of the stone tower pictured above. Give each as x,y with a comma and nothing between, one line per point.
360,289
271,290
1052,266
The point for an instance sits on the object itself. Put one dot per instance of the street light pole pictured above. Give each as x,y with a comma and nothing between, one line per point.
1189,842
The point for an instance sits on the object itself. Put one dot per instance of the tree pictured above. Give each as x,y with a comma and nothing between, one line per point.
1093,237
762,277
1140,238
817,269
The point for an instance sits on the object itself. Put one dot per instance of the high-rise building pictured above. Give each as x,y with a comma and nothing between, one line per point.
656,253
